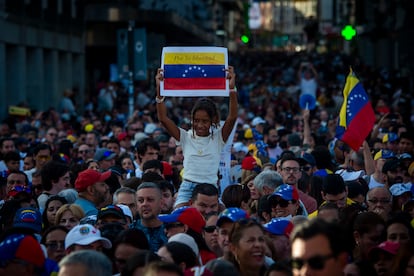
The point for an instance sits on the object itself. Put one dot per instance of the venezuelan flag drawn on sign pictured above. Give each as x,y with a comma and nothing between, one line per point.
194,71
356,117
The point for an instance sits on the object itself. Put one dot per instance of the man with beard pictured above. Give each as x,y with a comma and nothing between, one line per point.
393,172
149,207
167,190
291,173
92,189
273,149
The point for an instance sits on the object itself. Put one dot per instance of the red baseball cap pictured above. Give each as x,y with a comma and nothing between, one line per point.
22,247
388,247
167,168
122,136
249,163
89,177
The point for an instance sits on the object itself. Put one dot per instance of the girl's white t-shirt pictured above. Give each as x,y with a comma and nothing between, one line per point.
201,155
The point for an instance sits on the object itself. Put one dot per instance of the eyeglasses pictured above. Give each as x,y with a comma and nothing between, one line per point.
316,262
210,229
52,134
281,202
382,201
54,245
83,151
288,170
168,226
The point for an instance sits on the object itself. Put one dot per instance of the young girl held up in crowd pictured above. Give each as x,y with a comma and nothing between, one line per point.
203,143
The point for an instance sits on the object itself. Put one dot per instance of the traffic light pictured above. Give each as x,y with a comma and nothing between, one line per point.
348,32
245,39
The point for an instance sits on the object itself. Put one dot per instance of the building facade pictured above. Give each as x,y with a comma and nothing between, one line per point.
41,52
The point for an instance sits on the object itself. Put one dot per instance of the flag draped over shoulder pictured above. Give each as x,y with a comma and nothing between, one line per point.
356,117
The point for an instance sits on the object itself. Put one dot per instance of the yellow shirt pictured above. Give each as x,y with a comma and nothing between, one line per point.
315,214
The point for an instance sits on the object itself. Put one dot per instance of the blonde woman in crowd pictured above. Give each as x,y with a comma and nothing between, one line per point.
69,215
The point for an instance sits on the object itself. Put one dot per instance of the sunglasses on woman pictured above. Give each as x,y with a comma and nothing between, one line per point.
281,202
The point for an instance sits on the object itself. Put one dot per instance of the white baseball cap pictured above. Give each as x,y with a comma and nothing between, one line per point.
187,240
239,146
85,234
257,120
400,188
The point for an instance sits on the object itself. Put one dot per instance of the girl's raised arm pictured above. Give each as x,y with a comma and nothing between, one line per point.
171,127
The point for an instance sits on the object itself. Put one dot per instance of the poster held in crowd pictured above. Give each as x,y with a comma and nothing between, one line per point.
194,71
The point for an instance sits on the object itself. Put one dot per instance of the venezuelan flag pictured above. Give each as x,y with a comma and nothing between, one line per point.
356,117
194,71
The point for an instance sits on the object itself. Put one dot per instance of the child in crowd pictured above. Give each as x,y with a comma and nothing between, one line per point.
203,143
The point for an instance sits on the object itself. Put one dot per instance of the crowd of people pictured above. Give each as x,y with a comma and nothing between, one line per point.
105,194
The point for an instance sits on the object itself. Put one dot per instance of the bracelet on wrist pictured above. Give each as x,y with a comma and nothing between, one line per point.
233,89
159,100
